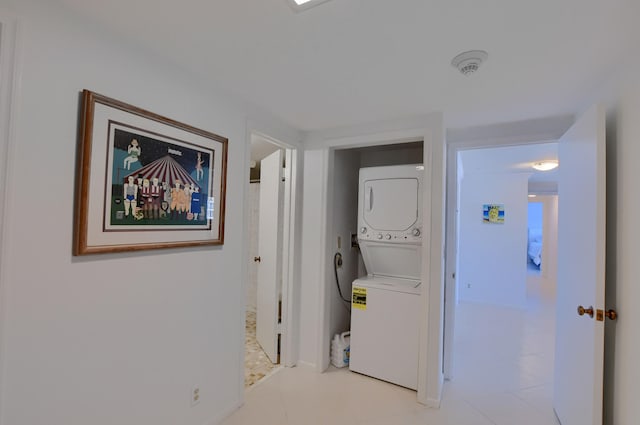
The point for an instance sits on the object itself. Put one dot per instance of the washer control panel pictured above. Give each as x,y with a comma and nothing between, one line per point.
413,234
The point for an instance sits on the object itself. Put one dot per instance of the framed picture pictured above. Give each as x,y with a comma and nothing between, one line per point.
144,181
493,213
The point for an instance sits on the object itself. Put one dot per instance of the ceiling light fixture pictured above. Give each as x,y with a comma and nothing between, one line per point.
532,196
299,5
545,165
469,62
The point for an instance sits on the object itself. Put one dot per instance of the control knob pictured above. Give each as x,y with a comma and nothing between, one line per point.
416,232
363,230
388,237
379,235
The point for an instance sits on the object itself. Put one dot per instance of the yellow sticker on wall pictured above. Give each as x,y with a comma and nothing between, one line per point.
359,298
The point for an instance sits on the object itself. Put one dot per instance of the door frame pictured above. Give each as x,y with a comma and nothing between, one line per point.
530,132
290,249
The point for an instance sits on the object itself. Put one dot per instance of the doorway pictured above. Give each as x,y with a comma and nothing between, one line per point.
504,316
535,241
581,151
343,219
269,225
317,280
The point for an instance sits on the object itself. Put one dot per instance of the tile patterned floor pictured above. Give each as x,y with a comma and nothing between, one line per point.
503,373
256,363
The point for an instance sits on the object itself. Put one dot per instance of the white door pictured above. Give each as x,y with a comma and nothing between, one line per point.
270,254
581,259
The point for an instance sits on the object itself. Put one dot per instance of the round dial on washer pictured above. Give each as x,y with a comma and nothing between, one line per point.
363,230
416,232
379,235
388,237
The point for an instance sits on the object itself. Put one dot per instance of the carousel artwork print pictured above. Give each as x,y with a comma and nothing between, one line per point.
144,181
156,184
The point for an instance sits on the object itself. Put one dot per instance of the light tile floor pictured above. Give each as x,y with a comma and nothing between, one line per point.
503,376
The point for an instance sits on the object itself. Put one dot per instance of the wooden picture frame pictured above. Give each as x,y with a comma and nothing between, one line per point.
144,181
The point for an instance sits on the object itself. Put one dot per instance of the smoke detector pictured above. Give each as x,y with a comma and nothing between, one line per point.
469,62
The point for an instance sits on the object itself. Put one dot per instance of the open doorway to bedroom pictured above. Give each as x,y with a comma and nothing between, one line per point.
535,240
504,320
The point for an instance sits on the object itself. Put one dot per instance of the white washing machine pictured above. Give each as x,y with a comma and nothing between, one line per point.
385,304
384,329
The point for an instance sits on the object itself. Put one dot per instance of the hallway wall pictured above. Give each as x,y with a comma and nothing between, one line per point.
115,338
492,257
344,222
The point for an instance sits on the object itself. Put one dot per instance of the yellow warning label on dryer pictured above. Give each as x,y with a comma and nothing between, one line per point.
359,298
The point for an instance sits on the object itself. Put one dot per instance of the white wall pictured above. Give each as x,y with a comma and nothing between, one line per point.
534,215
344,218
313,239
118,338
492,257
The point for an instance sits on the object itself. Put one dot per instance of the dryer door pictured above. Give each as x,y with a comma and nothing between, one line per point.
390,204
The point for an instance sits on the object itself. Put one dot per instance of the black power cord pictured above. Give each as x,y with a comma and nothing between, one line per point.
337,262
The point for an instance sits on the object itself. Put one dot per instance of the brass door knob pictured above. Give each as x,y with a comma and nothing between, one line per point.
611,314
257,259
582,311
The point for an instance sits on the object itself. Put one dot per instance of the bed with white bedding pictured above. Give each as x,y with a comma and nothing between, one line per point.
534,246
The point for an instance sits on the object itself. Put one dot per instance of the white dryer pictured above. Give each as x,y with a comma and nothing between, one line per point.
386,303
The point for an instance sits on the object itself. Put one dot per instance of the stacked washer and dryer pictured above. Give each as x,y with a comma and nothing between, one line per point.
385,313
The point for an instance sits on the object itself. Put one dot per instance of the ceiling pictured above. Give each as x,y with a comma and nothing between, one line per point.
513,159
261,148
348,62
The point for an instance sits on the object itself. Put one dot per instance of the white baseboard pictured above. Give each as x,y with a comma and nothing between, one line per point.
225,414
306,365
433,403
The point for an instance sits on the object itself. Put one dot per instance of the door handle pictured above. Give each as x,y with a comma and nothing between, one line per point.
611,314
368,198
257,259
582,311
